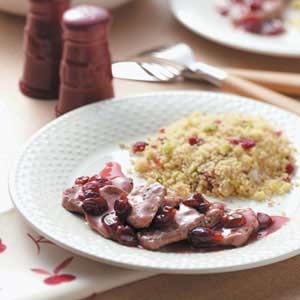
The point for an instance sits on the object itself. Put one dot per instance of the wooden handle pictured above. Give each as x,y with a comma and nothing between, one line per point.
246,88
288,83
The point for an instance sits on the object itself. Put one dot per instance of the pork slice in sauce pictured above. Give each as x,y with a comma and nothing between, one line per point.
186,218
111,193
95,222
272,9
240,235
72,199
145,201
214,214
266,10
123,183
171,199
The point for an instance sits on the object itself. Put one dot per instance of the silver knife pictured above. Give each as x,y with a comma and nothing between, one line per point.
183,57
131,70
179,54
135,71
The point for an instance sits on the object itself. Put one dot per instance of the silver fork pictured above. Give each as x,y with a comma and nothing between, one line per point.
162,71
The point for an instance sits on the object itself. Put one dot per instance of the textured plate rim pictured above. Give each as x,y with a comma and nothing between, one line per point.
229,44
132,265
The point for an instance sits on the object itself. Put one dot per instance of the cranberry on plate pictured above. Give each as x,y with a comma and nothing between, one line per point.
204,237
164,216
94,206
139,146
264,220
122,207
198,202
233,220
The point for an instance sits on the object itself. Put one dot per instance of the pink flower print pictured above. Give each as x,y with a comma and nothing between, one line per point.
39,240
2,246
54,277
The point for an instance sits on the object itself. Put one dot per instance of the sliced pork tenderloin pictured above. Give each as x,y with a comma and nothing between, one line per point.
214,214
239,236
96,223
145,202
72,199
186,218
123,183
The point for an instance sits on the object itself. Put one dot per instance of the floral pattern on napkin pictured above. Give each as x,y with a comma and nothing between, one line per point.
54,277
2,246
42,270
38,241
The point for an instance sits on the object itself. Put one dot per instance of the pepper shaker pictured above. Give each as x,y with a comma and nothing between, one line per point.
43,47
85,70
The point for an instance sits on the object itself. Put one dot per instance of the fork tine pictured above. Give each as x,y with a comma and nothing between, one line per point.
160,71
163,70
173,70
156,71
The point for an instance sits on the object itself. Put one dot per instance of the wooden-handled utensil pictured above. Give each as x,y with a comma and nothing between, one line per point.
160,72
284,82
236,85
182,56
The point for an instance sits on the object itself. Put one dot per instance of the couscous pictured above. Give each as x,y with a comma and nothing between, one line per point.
221,155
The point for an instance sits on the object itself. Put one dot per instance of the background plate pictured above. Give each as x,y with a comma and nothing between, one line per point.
80,142
20,7
202,18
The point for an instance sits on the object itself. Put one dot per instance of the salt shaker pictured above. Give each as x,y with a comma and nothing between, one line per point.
43,47
85,70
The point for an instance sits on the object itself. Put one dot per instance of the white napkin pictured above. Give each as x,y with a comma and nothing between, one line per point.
33,268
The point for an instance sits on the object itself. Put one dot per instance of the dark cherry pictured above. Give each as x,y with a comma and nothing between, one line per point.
264,220
94,206
198,202
125,235
96,177
111,222
101,181
233,220
91,189
164,216
247,143
92,185
162,130
290,168
234,141
82,180
122,208
255,5
194,140
90,194
204,237
251,23
139,146
80,196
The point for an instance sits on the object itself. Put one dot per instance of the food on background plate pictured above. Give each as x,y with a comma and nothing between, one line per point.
257,16
221,155
152,217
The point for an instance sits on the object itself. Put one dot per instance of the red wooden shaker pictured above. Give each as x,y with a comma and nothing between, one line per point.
85,70
43,47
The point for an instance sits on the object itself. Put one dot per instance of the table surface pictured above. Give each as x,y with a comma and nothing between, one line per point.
137,26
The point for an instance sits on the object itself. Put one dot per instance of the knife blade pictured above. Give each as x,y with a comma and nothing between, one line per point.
131,70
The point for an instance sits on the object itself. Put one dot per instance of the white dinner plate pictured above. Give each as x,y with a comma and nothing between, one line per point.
80,142
20,7
201,17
